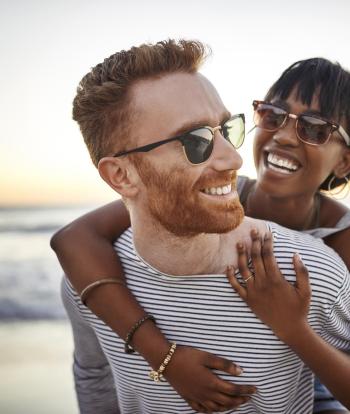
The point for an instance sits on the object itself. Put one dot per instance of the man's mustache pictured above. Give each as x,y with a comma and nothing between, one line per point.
217,179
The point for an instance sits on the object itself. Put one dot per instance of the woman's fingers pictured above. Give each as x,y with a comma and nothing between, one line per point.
243,263
228,403
199,408
222,364
271,267
256,254
230,273
302,277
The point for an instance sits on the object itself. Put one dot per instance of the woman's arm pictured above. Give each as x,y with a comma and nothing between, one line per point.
84,249
284,308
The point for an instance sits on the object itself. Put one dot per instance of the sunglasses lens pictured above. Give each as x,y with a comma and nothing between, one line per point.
313,130
198,145
269,117
234,130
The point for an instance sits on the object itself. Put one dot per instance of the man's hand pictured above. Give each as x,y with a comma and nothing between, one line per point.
190,373
279,304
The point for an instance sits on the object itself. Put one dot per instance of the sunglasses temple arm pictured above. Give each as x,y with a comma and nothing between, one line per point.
252,129
344,135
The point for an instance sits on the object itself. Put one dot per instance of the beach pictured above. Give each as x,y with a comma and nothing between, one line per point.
35,336
35,366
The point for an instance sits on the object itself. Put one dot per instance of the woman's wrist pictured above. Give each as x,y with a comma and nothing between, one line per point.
297,335
150,342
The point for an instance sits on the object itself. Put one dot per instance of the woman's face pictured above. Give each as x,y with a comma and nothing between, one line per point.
304,167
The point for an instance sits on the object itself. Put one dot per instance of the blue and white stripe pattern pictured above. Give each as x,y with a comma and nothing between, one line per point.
204,312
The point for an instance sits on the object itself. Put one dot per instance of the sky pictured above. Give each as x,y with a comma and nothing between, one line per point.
47,46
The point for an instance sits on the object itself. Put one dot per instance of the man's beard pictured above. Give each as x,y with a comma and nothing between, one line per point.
180,209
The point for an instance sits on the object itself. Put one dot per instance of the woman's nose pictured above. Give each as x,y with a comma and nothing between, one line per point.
287,135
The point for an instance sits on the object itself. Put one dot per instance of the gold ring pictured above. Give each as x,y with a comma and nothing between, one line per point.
248,278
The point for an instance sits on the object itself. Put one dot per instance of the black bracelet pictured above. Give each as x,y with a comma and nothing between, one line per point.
127,348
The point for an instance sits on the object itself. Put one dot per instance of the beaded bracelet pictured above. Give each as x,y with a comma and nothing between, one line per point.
127,348
157,376
86,291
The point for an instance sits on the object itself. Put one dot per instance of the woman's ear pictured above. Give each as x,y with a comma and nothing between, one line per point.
343,167
119,174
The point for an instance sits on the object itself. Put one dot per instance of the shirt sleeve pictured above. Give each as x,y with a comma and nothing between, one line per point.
324,400
336,329
94,383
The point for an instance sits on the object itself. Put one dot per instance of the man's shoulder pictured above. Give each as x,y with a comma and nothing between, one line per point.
287,242
242,232
289,235
264,226
124,244
316,255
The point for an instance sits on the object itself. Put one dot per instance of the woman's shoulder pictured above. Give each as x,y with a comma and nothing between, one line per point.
334,218
244,187
333,212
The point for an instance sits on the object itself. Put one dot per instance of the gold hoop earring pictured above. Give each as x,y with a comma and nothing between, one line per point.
338,194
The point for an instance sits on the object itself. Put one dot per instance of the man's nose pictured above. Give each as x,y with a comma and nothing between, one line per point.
287,135
225,156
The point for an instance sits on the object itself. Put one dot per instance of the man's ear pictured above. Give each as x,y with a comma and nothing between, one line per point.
119,174
343,167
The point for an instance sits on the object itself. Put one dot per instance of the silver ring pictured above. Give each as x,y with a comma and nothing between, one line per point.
248,278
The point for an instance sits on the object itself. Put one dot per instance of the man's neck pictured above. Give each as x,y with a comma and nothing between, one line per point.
201,254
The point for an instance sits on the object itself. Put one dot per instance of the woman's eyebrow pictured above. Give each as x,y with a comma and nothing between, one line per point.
281,104
313,112
284,105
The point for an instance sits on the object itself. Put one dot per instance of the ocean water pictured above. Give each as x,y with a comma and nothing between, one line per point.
29,271
30,274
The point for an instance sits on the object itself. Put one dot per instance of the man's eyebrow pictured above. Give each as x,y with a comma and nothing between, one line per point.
189,126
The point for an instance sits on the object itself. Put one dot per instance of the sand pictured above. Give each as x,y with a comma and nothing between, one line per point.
35,367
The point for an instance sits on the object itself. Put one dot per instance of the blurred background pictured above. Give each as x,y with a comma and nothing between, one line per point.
46,176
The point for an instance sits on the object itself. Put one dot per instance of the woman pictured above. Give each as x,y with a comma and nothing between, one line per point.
300,148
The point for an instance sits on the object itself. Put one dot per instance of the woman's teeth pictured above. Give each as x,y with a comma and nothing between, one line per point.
226,189
280,164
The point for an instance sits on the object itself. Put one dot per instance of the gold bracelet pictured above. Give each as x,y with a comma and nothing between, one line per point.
157,376
86,291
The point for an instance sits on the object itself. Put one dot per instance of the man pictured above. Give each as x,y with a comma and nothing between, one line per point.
186,220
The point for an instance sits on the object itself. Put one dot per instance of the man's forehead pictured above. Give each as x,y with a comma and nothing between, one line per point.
166,103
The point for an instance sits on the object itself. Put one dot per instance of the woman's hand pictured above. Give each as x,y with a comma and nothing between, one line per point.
190,373
279,304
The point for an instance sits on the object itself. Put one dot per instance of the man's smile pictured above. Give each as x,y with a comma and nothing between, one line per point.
222,190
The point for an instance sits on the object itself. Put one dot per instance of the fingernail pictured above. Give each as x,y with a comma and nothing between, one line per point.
239,245
238,370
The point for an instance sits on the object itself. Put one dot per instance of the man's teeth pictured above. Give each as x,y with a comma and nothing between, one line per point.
226,189
279,162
